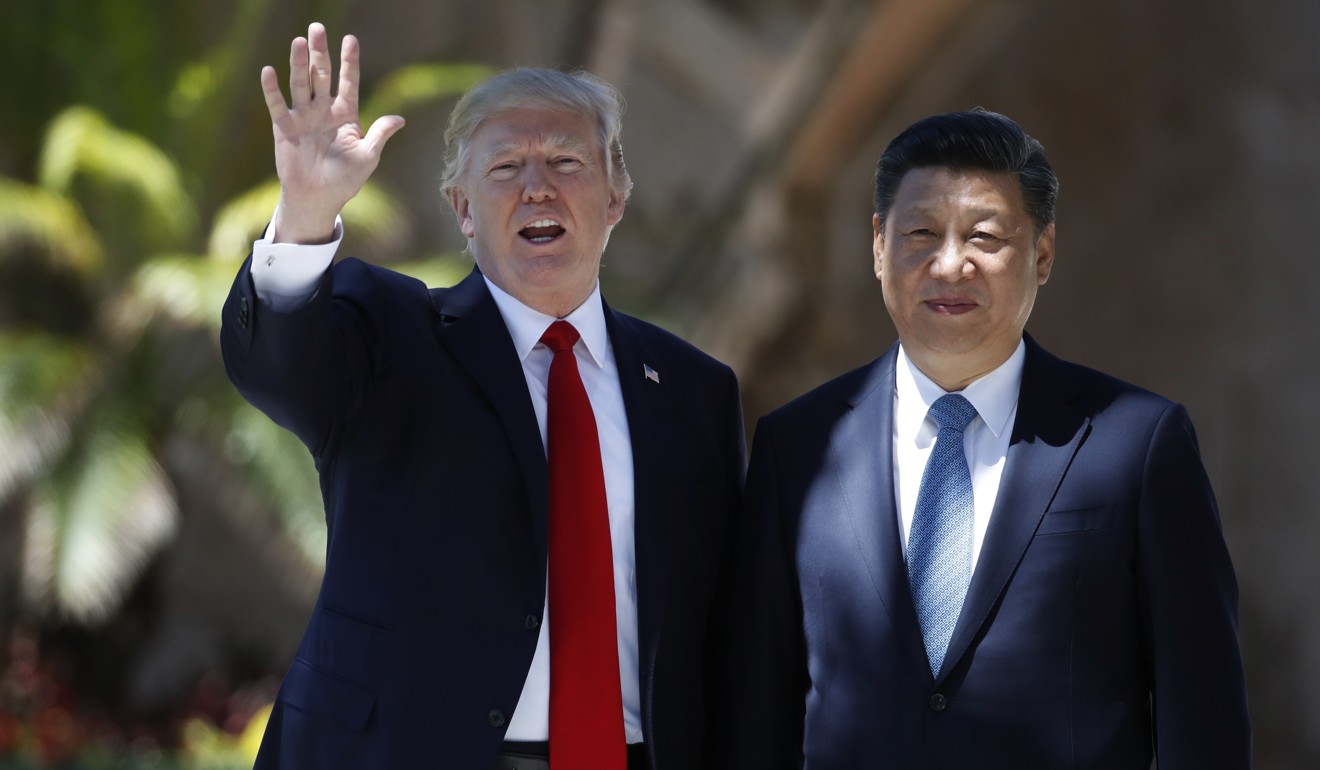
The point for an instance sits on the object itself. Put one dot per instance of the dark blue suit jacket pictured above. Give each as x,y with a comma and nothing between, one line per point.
415,408
1100,624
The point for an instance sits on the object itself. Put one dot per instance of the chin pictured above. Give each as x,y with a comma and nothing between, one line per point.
952,345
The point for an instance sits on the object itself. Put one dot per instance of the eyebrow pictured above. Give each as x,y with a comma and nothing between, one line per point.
921,212
562,142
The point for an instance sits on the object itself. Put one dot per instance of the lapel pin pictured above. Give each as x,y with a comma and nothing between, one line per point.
651,374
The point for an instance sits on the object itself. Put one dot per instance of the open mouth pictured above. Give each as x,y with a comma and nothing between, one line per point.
542,231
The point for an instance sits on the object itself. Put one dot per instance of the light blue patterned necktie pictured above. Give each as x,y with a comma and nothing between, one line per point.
939,555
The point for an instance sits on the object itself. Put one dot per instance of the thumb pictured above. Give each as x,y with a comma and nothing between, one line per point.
380,132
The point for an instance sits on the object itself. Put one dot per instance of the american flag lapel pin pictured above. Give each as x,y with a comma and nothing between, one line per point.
651,374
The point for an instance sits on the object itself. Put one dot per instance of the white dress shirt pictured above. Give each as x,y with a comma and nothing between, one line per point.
995,396
285,275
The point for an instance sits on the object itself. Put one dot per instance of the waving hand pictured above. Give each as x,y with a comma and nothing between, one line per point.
322,156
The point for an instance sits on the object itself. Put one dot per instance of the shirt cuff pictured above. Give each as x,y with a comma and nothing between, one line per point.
285,275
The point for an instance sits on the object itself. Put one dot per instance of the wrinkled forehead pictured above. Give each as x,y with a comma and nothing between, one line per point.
531,130
965,189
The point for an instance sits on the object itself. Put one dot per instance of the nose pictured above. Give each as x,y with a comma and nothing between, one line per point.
537,185
951,262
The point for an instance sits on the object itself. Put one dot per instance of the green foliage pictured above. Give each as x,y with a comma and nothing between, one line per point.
50,222
207,748
373,215
418,84
182,288
241,221
277,462
134,155
97,517
198,84
80,142
444,270
81,417
44,381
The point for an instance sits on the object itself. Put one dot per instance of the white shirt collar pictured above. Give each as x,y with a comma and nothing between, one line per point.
526,325
994,395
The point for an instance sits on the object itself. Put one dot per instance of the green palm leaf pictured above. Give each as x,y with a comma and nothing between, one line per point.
97,519
45,381
80,141
51,222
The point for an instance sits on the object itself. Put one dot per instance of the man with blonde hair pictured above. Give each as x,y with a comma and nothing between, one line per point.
527,493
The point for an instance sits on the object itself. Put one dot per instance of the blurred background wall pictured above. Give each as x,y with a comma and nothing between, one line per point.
160,542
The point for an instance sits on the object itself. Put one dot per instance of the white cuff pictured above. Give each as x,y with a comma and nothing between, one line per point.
286,275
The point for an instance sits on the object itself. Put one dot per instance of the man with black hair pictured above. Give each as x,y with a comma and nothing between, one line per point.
969,553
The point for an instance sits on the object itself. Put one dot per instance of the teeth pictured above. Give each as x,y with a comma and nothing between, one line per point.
544,223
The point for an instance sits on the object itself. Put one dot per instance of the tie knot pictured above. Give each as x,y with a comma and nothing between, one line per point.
952,411
560,336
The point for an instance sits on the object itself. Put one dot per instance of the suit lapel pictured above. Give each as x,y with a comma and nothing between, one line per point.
647,405
863,458
470,326
1046,436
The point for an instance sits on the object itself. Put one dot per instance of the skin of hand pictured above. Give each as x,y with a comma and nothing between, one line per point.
322,156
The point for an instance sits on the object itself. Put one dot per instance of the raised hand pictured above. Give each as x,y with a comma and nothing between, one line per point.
321,155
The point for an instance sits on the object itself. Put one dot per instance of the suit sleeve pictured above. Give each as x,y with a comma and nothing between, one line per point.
760,693
1189,599
307,368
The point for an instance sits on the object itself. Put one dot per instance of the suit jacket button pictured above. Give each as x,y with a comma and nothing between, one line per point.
532,622
496,718
938,702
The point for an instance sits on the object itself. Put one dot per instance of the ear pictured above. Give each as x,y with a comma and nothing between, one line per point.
462,212
877,243
614,211
1044,254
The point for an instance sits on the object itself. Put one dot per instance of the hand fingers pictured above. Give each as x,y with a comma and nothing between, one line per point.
299,89
349,72
270,88
380,132
319,48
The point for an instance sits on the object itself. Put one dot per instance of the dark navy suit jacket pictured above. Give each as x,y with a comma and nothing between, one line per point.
415,408
1100,624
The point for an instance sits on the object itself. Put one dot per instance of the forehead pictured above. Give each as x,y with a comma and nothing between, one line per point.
533,129
959,191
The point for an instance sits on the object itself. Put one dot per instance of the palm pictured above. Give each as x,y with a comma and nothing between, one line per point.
322,155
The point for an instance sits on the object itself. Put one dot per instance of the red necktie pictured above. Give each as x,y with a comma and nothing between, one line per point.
586,707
